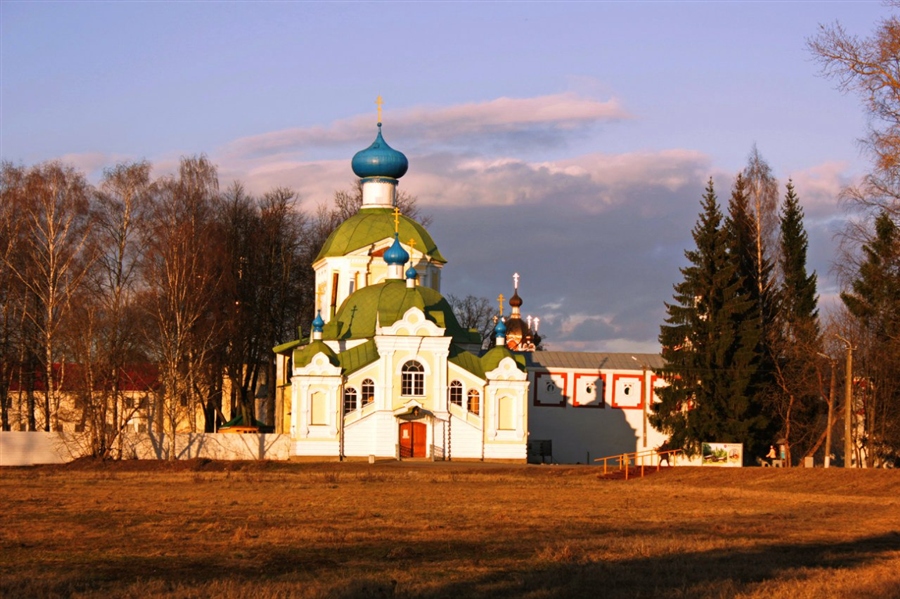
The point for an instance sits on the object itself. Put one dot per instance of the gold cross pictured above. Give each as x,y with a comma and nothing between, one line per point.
379,102
500,301
412,244
396,219
320,291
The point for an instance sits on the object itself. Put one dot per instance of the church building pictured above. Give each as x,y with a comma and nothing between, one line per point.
388,372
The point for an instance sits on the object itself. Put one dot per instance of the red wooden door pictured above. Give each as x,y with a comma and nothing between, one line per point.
412,440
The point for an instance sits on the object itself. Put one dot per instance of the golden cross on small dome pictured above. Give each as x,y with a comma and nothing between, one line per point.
379,102
412,245
500,299
396,219
320,291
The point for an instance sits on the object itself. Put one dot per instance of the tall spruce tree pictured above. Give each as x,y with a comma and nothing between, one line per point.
710,342
796,341
752,361
798,289
874,301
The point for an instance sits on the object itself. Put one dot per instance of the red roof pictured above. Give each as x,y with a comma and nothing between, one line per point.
134,377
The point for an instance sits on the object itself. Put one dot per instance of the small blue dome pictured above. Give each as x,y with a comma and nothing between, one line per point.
318,323
412,273
500,329
379,160
396,254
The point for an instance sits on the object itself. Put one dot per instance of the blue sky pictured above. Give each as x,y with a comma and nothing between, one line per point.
569,142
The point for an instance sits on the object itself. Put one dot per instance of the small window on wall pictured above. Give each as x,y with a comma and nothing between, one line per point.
474,401
349,399
318,408
456,393
368,392
412,379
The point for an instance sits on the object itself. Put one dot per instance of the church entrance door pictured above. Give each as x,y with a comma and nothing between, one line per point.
413,436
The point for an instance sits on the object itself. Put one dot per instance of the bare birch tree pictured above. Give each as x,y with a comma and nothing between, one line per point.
56,216
182,269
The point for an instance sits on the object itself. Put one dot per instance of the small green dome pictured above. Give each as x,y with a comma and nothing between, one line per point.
386,303
371,225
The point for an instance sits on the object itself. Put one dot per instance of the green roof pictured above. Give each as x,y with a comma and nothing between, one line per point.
304,355
386,303
286,347
466,361
239,421
356,357
492,358
371,225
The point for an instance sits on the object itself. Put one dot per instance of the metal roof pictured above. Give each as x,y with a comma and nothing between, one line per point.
371,225
593,360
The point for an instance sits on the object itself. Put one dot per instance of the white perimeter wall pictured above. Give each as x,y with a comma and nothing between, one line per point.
31,448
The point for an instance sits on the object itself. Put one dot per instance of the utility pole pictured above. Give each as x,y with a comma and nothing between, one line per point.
848,406
831,394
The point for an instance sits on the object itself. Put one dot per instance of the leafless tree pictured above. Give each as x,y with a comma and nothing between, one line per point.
762,189
474,313
870,67
183,267
110,344
56,215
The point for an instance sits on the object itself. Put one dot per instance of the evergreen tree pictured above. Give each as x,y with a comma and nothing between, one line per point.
709,342
753,356
874,301
798,289
796,341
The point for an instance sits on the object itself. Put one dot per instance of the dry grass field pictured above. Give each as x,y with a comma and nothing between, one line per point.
266,530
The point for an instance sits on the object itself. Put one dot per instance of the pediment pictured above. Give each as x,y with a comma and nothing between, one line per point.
414,324
507,370
320,365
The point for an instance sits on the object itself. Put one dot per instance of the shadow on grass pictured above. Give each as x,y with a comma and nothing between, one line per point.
456,569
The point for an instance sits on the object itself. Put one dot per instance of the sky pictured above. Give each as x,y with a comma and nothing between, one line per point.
569,142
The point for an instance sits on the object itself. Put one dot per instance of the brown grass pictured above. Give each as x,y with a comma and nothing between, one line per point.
271,530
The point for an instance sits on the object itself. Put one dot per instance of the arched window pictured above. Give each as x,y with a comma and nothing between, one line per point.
456,393
368,392
474,401
412,379
349,400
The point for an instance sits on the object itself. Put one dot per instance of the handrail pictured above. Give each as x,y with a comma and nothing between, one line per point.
625,460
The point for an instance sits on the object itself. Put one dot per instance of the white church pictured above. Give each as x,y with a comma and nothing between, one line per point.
388,372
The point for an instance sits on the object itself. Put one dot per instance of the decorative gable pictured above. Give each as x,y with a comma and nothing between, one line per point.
507,370
413,323
319,365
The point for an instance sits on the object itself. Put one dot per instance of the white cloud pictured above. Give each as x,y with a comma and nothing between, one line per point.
819,188
553,115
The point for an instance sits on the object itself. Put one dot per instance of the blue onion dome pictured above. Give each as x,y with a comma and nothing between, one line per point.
396,254
500,329
379,160
412,273
318,323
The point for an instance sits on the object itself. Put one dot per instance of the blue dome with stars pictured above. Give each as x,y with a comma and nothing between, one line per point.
379,160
